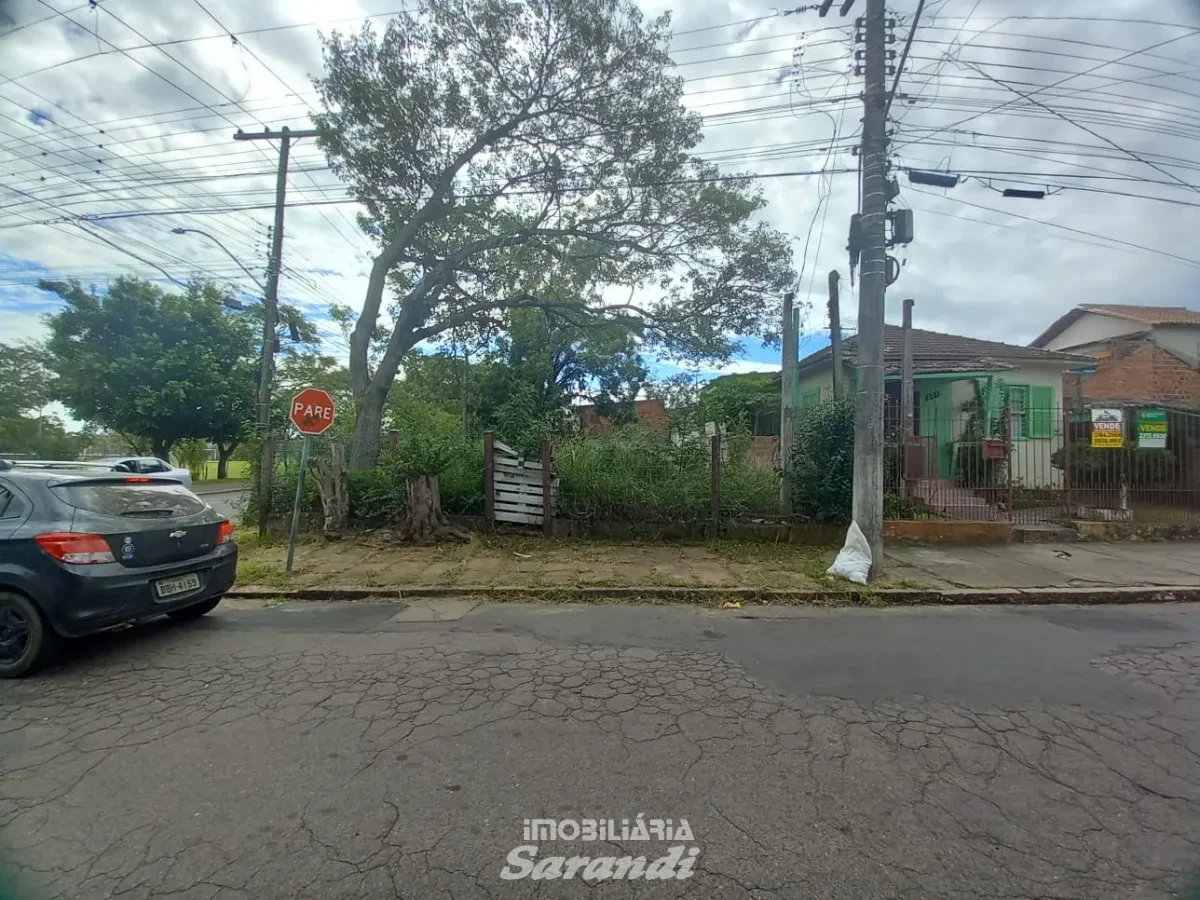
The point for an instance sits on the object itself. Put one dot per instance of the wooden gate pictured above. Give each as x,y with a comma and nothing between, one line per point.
518,486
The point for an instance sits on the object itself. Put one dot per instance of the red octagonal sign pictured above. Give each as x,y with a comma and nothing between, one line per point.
312,411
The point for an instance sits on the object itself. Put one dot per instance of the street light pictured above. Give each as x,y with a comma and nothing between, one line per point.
230,302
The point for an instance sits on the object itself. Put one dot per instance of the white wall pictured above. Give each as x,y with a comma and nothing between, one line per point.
1182,340
1030,463
1090,328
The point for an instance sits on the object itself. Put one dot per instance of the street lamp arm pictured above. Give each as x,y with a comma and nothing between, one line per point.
249,274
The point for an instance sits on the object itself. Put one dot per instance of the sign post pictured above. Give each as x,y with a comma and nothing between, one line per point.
312,411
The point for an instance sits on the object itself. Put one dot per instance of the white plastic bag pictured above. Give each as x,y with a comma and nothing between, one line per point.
854,559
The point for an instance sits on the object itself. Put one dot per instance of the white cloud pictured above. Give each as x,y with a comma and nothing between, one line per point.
160,149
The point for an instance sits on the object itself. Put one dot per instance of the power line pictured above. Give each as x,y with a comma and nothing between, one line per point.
1003,212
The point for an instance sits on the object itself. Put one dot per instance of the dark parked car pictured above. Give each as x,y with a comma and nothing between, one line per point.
82,552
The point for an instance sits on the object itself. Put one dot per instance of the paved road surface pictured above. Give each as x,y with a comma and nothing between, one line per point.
363,751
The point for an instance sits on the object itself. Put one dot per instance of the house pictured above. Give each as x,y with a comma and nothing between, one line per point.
952,374
1140,354
650,414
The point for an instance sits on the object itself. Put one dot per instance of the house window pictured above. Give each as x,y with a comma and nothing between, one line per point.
1017,399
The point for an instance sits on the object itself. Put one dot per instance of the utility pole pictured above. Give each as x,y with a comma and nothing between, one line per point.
835,335
906,374
266,368
868,418
787,405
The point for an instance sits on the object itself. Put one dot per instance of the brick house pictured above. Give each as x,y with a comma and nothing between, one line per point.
1144,354
650,414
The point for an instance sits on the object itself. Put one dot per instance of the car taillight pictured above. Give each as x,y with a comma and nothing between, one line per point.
224,532
141,479
77,549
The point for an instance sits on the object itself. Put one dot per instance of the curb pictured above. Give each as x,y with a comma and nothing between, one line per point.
1090,596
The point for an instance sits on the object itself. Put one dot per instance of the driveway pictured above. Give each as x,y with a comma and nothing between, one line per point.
376,750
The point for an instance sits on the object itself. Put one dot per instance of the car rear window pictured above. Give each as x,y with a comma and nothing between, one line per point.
135,500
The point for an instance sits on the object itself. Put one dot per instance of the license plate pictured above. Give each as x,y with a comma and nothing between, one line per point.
169,587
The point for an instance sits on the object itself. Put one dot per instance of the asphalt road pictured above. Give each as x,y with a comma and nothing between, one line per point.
363,751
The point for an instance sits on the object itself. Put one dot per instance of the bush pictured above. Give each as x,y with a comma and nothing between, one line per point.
823,461
378,496
633,475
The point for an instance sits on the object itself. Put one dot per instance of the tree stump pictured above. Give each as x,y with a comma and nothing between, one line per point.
424,522
334,487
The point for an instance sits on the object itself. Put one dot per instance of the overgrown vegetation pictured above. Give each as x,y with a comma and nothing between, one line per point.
823,461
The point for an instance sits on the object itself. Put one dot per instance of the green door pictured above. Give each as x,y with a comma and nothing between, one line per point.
937,421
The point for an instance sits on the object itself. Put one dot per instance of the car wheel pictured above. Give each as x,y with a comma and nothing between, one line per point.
26,641
195,611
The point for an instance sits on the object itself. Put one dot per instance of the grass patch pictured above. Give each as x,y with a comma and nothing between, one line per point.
238,469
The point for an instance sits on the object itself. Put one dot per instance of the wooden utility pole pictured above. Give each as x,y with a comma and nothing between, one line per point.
266,368
868,419
835,335
787,405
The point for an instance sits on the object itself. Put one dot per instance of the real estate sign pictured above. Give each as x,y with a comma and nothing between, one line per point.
1108,427
1152,429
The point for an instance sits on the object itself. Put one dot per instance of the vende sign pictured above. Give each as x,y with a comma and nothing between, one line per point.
312,411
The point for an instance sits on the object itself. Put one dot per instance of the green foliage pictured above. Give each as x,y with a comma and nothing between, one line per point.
26,388
137,360
529,156
633,475
192,454
740,401
823,461
1108,467
429,438
970,466
378,496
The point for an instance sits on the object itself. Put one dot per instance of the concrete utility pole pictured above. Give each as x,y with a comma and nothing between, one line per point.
868,419
787,404
266,369
906,374
835,335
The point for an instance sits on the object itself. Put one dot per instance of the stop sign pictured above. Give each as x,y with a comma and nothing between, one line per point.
312,411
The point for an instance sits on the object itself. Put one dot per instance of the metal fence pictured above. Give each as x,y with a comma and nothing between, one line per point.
1046,465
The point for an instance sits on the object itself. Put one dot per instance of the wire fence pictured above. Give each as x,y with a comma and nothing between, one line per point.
1023,464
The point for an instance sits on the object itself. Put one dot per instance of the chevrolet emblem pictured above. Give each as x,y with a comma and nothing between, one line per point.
178,534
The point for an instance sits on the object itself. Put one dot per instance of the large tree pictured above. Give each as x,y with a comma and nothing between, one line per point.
535,153
168,366
26,389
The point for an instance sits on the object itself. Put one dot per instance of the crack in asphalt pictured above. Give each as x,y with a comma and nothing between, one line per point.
210,765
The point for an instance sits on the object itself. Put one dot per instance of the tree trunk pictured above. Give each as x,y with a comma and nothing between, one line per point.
424,522
334,487
223,454
368,428
161,449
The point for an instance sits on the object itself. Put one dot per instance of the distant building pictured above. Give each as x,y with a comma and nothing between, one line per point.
949,371
650,414
1143,354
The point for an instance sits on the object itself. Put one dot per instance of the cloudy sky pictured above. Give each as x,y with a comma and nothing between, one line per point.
116,121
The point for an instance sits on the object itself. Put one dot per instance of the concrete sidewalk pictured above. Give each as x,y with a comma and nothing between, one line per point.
1047,565
534,563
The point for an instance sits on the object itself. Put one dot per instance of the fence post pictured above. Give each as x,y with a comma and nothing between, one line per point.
1066,431
547,488
393,441
489,478
716,485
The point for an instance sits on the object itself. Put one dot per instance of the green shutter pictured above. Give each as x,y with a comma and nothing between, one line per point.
811,398
1041,412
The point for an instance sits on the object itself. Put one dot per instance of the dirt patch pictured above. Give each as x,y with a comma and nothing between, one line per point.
535,563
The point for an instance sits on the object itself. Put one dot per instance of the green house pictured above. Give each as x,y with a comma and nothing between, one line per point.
964,389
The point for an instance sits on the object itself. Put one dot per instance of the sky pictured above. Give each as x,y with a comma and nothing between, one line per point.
112,114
